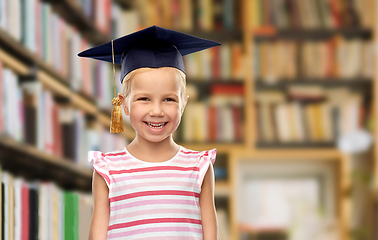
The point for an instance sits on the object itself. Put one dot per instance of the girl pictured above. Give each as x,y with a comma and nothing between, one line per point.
153,188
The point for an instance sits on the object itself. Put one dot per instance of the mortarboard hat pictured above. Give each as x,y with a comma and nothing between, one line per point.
151,47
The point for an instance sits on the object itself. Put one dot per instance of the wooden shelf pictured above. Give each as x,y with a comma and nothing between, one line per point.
13,63
23,55
222,188
32,163
72,12
221,148
282,84
304,154
218,36
203,87
294,145
60,89
314,34
270,232
205,82
126,4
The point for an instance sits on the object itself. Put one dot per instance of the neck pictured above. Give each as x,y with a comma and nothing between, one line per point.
141,144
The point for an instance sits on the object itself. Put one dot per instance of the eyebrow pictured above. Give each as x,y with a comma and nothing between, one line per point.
147,93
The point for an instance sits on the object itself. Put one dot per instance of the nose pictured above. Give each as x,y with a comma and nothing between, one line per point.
156,110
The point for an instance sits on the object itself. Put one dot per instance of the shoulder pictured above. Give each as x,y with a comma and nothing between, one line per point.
200,155
115,154
189,152
100,157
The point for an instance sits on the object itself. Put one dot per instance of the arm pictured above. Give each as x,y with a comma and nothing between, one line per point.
100,217
208,214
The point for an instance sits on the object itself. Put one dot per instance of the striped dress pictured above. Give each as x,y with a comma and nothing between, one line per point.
154,200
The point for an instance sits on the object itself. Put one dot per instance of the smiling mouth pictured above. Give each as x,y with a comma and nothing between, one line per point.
156,126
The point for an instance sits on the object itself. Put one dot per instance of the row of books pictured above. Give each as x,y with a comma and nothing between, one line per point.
205,15
38,27
35,25
99,12
29,113
219,118
109,17
311,14
333,58
325,115
42,210
124,21
220,63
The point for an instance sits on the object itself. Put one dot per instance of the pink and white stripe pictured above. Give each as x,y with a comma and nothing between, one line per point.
154,200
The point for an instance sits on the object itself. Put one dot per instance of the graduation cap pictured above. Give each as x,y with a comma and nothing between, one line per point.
152,47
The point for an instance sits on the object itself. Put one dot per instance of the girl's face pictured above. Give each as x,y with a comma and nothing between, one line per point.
154,103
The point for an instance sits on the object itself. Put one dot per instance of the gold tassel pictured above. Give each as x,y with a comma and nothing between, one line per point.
116,122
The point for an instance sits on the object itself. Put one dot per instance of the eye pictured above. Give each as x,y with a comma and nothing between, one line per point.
169,99
143,99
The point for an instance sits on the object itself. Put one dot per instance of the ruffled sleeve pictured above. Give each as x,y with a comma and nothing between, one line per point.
99,164
206,158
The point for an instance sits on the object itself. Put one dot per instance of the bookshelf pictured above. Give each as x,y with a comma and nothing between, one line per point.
247,32
74,14
32,163
289,25
317,34
125,4
41,170
57,85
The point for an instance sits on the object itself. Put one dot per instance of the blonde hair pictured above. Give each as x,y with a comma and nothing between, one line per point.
126,83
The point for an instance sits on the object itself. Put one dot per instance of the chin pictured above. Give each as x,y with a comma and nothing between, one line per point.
156,139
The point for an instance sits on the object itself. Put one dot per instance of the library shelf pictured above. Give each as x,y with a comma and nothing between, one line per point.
204,86
281,84
32,163
13,63
60,89
80,102
73,13
23,55
314,34
214,81
222,188
221,147
295,145
218,35
303,154
125,4
263,232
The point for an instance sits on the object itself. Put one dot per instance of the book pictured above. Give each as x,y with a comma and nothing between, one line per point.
2,112
34,220
71,220
228,14
25,214
85,207
67,121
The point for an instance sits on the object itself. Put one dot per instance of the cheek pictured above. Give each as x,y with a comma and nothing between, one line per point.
174,112
135,108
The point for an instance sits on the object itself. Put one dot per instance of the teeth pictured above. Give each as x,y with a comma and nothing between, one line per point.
157,126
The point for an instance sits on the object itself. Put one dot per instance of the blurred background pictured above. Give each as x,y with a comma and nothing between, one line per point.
289,100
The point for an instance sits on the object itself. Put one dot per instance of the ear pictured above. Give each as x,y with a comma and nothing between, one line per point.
124,103
184,105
